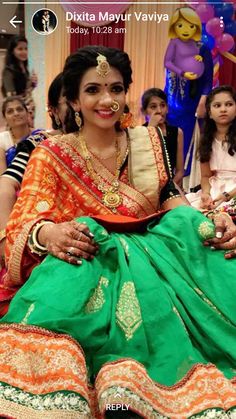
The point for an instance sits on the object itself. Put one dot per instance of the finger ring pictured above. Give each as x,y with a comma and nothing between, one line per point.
70,251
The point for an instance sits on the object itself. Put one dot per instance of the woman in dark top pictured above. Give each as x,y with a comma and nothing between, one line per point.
16,79
155,108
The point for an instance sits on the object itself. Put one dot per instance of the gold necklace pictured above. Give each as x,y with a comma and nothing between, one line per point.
111,197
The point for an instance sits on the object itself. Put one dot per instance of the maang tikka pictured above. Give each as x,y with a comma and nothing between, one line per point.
103,67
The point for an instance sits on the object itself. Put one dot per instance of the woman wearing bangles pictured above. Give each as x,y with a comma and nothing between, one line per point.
126,306
10,180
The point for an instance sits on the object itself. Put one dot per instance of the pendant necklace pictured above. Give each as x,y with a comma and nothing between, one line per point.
111,197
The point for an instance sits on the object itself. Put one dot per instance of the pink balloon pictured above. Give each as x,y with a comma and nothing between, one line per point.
205,12
215,27
225,42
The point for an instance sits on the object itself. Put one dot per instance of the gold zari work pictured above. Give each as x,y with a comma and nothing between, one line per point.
97,300
128,313
206,230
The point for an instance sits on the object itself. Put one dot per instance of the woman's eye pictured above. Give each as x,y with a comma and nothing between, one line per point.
191,26
91,89
180,25
117,89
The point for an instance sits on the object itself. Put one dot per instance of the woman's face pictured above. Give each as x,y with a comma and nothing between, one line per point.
21,51
184,30
96,96
156,106
223,108
15,114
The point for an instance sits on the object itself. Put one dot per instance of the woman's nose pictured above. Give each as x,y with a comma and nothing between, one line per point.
106,99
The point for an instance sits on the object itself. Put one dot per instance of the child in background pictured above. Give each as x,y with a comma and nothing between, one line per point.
155,108
218,146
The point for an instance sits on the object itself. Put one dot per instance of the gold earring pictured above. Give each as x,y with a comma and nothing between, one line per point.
57,120
78,119
127,120
115,106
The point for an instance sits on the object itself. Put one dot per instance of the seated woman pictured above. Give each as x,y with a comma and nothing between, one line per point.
16,115
10,180
217,149
123,311
155,108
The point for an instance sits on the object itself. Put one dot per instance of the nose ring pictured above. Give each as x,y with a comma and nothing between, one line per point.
115,106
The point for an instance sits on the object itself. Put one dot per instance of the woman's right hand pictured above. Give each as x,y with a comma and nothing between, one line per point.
155,119
69,241
206,201
190,75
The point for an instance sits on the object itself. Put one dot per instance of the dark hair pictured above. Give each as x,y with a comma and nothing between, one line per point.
148,94
209,130
12,64
12,99
54,93
80,61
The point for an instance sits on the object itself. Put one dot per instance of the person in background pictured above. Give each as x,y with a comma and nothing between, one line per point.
120,295
155,109
16,78
16,116
217,149
10,180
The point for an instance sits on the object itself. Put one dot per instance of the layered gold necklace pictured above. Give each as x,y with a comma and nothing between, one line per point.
111,197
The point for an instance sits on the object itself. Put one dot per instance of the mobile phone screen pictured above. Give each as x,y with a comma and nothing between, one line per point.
57,28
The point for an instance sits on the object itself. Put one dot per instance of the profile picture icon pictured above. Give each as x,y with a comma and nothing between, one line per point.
44,21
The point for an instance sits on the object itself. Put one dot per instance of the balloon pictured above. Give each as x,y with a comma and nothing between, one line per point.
225,42
208,40
226,10
230,27
214,52
205,12
213,27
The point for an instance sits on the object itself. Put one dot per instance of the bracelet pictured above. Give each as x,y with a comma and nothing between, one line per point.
227,196
3,234
33,243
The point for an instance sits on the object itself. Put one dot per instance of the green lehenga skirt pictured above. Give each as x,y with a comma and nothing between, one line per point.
150,323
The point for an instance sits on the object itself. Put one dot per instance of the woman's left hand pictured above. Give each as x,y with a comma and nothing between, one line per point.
225,236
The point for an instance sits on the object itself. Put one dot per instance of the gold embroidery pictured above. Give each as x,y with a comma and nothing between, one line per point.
28,313
206,230
42,206
46,404
128,313
97,300
197,393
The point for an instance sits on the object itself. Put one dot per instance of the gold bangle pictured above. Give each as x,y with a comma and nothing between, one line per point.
33,243
3,234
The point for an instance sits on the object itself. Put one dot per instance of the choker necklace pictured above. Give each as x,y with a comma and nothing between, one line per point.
111,197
